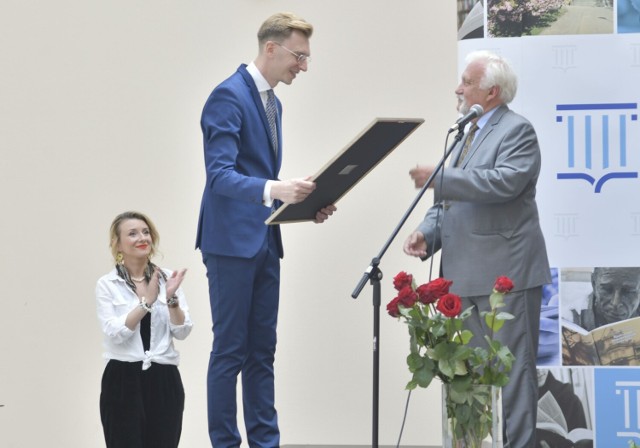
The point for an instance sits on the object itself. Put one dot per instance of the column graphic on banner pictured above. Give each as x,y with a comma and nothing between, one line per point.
564,57
597,141
619,421
566,224
630,393
635,218
635,58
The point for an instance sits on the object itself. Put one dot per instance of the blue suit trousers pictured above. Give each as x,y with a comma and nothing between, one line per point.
244,295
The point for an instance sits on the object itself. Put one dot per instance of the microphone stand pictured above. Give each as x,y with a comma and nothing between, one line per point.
374,275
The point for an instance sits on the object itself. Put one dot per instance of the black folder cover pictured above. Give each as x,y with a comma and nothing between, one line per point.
350,165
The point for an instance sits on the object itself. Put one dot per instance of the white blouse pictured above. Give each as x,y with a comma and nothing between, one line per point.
115,300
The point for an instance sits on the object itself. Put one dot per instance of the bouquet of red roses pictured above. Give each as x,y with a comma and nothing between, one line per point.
438,341
439,347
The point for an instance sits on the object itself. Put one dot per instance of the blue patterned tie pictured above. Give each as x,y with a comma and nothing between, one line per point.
272,113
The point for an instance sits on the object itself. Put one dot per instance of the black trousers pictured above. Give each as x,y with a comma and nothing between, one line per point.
141,408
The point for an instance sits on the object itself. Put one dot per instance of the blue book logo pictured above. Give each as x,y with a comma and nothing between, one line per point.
597,141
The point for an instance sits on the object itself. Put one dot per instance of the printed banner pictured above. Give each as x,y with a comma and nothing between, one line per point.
578,66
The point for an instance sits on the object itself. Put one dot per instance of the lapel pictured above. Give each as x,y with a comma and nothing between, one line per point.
483,133
257,100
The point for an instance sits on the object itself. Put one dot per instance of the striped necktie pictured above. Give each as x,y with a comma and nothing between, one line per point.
272,113
467,143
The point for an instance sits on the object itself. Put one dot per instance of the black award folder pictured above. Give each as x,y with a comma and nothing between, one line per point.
348,167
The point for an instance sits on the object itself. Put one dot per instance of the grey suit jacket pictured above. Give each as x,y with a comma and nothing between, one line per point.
485,217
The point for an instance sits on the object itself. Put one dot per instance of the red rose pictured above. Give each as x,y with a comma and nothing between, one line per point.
407,297
424,294
432,291
503,284
392,308
450,305
401,280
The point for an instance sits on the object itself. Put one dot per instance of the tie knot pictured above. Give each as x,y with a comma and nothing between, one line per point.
270,95
474,127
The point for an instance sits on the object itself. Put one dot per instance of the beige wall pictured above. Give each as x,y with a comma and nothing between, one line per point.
100,104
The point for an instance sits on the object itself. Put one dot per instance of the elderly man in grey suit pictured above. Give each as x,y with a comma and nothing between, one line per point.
485,221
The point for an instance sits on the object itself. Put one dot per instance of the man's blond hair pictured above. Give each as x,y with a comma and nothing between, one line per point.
279,26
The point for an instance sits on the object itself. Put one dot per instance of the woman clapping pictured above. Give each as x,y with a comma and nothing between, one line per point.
141,308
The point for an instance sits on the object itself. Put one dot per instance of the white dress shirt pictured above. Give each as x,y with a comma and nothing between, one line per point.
115,299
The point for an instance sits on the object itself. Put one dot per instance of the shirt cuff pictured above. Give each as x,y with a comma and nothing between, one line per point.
266,194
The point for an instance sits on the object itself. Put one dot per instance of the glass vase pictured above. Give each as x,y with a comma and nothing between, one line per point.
472,418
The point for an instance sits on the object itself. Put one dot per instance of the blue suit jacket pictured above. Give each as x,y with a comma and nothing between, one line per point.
239,158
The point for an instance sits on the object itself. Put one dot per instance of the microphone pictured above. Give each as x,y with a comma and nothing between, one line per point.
475,111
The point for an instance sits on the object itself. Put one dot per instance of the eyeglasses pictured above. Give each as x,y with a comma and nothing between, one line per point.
299,57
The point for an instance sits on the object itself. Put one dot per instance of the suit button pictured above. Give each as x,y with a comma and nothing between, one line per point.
447,205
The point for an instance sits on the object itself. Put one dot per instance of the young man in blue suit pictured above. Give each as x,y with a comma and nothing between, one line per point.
485,221
241,126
